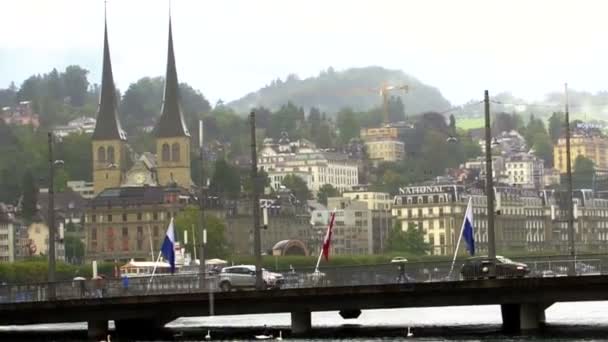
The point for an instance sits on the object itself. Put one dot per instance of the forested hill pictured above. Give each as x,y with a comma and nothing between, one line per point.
357,88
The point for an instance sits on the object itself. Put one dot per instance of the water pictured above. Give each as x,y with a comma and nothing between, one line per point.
586,321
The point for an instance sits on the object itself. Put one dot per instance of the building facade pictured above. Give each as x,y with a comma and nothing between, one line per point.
385,150
130,222
593,146
525,170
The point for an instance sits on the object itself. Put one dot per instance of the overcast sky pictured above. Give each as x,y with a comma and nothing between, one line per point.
227,48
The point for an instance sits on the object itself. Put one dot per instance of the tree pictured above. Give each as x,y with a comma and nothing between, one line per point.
503,122
410,241
541,143
226,180
556,125
76,84
30,196
583,173
326,191
452,124
74,250
348,126
535,126
298,186
216,247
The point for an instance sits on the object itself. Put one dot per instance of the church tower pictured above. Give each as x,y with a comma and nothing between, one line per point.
172,136
109,140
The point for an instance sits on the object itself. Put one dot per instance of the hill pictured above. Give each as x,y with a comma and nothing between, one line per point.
357,88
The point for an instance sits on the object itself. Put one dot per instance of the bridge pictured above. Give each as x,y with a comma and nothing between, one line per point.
348,290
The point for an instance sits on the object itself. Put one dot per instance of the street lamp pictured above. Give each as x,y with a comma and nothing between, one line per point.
51,215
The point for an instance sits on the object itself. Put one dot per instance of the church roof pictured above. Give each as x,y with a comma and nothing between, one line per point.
108,126
171,122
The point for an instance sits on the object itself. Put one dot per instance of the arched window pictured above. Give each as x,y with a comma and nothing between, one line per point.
110,151
166,153
101,154
175,152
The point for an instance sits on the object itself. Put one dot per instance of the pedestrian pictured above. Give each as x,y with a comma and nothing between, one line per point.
402,276
125,283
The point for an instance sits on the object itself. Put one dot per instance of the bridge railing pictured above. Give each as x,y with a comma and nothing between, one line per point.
407,272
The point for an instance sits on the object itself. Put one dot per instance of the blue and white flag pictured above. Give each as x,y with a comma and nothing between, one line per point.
168,247
468,233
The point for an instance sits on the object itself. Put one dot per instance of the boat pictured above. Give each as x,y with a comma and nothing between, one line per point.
263,337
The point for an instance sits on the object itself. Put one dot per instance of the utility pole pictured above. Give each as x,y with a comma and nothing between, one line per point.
571,269
490,187
201,252
51,219
256,207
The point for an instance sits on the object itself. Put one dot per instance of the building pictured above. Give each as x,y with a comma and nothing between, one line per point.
592,145
551,177
38,240
352,232
315,167
8,234
81,125
22,115
385,150
112,156
526,170
479,164
83,188
288,220
383,144
506,143
130,222
375,200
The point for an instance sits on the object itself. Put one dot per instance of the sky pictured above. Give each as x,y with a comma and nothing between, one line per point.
229,48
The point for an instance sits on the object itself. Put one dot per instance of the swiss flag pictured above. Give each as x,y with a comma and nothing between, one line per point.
327,241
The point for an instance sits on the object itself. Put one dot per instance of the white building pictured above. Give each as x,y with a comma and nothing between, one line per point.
84,188
80,125
525,170
7,239
305,161
374,200
385,150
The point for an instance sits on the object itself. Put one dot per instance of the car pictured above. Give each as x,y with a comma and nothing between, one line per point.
398,259
478,268
244,276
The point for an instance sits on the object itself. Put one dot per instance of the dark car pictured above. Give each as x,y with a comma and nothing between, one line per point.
478,268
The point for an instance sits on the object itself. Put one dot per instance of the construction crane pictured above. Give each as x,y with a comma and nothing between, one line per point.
384,92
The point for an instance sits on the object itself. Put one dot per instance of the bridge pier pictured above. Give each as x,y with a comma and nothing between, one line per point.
525,316
97,330
300,322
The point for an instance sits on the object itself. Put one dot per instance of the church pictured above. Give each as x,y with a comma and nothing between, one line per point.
114,163
136,195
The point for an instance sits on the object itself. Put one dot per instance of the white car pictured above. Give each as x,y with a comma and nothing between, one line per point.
243,276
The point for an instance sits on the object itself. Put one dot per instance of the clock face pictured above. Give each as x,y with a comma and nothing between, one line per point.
140,178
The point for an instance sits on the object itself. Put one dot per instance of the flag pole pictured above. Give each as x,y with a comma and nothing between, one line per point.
153,271
464,218
325,238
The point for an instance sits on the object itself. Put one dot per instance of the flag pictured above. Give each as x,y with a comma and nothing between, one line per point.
168,247
467,229
327,240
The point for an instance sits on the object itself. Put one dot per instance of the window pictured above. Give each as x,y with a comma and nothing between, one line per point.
94,218
175,152
125,232
155,231
138,216
124,217
155,216
165,152
93,233
109,218
140,233
110,156
101,154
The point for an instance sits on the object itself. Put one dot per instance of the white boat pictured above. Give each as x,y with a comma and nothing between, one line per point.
263,337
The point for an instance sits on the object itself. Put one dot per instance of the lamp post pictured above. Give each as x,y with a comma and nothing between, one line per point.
489,188
51,217
203,233
572,268
257,240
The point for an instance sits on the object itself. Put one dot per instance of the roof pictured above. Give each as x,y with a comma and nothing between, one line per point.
171,122
108,126
133,195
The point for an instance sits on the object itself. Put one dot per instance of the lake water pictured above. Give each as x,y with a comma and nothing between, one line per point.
565,322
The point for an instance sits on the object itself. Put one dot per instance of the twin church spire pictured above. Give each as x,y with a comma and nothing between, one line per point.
171,122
